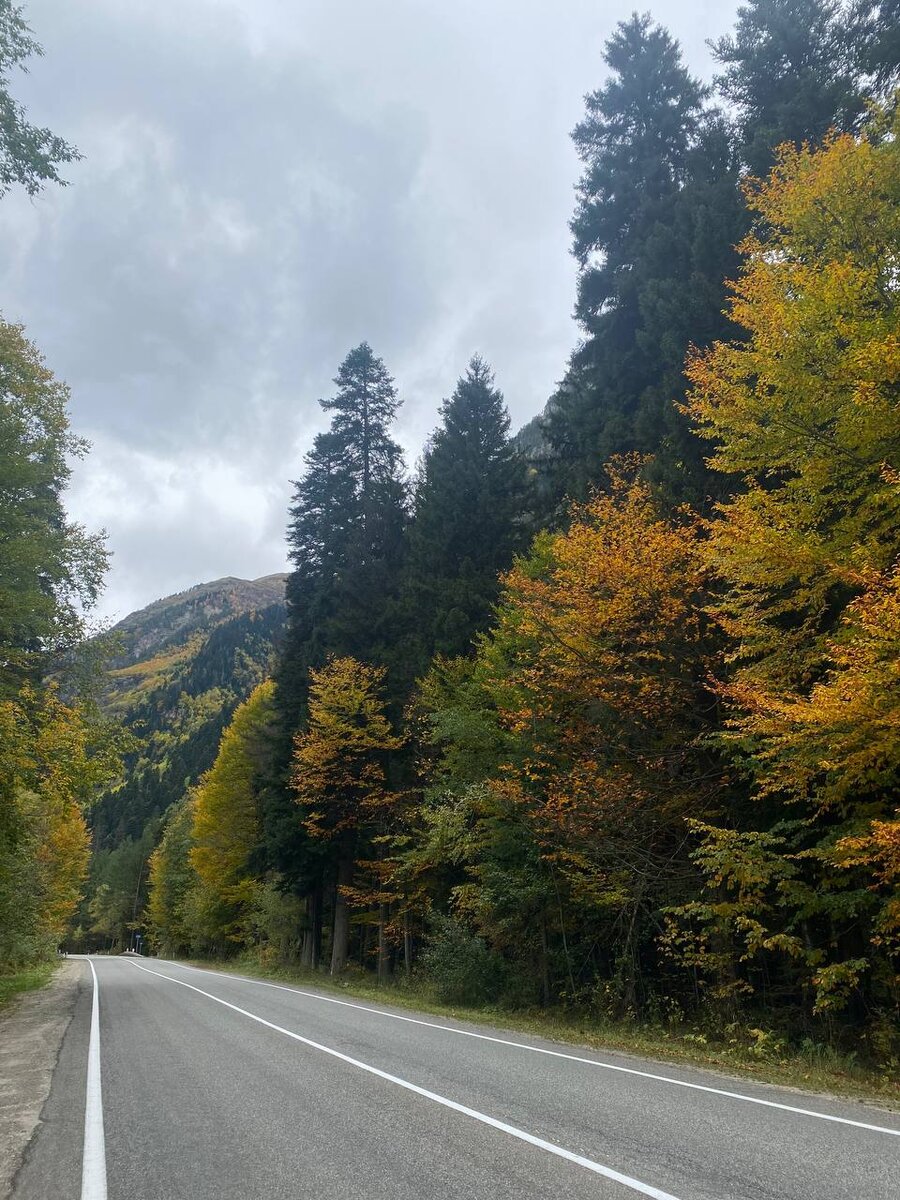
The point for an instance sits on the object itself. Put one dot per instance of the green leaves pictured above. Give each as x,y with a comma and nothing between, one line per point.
51,570
29,155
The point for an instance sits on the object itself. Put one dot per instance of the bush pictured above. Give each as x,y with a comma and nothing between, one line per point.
275,919
461,967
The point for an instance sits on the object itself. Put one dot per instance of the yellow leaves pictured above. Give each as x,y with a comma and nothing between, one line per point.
878,851
806,408
835,983
225,823
596,669
613,617
338,767
53,756
818,297
841,738
62,859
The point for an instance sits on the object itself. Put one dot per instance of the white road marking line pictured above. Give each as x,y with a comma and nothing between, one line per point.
93,1163
591,1062
635,1185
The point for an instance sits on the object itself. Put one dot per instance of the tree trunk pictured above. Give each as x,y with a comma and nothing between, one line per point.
340,941
407,945
384,960
364,945
318,922
312,934
545,972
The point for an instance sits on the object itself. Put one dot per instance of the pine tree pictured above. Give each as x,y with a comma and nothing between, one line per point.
468,516
363,408
346,531
790,70
634,142
657,216
877,34
346,537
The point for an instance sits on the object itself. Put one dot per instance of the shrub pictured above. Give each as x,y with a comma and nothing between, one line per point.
462,968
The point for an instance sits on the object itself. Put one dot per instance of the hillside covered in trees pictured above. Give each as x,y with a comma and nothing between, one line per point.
180,668
605,715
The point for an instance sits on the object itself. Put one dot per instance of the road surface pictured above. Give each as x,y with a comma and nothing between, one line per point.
202,1086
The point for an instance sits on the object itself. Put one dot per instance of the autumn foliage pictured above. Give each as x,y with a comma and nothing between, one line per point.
53,758
339,779
666,779
805,412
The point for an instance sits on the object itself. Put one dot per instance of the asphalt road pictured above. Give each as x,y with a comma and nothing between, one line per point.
216,1087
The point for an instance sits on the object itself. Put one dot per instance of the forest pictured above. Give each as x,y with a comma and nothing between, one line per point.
603,716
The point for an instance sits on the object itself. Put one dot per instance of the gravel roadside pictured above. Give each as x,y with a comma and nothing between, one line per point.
31,1033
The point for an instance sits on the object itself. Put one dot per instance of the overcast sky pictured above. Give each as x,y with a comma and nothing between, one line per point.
265,184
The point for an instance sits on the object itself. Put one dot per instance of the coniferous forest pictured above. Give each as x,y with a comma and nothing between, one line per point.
603,717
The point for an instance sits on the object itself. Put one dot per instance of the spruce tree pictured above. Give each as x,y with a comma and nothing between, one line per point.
877,34
468,516
791,70
346,530
657,217
346,536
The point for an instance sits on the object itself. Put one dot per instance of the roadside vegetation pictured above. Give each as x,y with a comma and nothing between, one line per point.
14,983
660,786
56,750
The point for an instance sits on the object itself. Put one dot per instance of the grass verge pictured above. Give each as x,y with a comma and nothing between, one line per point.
743,1053
14,983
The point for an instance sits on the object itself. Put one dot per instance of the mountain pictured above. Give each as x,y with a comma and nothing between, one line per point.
530,440
150,643
181,667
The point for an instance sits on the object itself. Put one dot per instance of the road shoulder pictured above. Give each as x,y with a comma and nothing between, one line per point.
31,1034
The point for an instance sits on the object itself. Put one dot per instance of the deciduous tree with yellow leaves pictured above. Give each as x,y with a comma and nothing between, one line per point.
806,413
53,758
597,670
339,775
226,822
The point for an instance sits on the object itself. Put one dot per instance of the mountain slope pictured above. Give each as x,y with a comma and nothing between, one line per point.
184,664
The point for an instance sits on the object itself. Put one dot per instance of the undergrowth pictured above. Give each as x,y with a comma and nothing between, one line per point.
13,983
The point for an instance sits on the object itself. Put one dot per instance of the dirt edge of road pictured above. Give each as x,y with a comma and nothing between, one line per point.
31,1034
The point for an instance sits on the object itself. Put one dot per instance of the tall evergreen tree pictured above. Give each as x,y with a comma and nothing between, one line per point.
877,34
657,217
469,501
346,538
791,70
346,531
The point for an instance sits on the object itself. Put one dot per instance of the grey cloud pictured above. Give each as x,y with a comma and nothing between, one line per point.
228,219
266,183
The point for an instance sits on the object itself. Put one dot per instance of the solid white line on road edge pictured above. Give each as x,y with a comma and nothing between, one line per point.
591,1062
93,1165
635,1185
